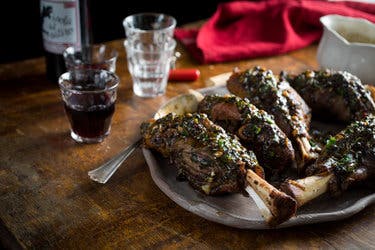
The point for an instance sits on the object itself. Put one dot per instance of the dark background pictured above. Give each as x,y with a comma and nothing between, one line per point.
21,36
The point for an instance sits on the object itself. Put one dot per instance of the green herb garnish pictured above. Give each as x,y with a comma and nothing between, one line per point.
330,142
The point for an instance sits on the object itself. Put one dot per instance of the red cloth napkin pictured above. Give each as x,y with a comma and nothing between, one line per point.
242,29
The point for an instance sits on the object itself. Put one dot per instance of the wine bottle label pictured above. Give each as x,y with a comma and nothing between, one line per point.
60,24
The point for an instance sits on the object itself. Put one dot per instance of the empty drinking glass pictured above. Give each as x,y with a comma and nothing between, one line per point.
149,67
94,56
149,47
149,28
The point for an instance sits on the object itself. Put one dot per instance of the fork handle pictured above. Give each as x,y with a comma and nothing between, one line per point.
105,171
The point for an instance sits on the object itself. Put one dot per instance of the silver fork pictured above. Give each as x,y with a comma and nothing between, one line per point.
105,171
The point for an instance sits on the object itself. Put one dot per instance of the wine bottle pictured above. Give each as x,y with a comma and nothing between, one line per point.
64,23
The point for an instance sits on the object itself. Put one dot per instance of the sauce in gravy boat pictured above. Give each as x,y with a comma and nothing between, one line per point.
348,44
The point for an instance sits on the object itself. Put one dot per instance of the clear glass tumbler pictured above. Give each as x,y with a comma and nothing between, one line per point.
149,28
149,67
149,47
89,97
97,56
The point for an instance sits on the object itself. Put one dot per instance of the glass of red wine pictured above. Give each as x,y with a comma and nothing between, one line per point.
89,97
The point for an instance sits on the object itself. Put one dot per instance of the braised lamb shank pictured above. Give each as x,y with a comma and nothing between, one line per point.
256,129
347,159
278,98
214,162
336,94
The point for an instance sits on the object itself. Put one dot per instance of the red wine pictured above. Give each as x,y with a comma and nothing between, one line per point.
91,123
89,99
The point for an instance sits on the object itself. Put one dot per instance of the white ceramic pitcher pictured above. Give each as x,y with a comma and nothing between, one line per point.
348,44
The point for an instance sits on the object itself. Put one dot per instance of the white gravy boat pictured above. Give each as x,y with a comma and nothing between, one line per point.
348,44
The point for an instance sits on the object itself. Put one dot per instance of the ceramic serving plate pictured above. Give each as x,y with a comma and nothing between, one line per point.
238,211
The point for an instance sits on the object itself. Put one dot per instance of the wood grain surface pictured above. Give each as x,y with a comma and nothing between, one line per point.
48,201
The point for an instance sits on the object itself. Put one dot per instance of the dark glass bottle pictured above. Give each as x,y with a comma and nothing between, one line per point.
63,23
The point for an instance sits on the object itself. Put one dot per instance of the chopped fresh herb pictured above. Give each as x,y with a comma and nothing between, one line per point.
271,154
256,129
269,120
347,163
221,143
330,142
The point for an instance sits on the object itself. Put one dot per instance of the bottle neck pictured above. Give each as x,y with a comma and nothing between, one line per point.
85,21
86,31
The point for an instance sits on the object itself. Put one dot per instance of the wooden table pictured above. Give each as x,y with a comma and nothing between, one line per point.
48,201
